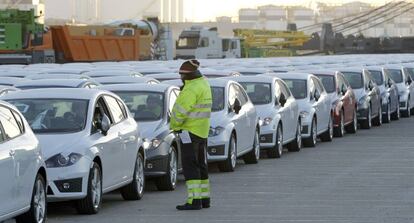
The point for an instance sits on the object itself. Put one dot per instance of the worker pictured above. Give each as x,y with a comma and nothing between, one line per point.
190,118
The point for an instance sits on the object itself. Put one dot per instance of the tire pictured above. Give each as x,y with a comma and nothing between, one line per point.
135,190
311,141
328,135
367,123
92,202
406,113
386,118
296,144
277,150
378,119
229,164
38,205
353,127
340,130
396,114
168,182
253,156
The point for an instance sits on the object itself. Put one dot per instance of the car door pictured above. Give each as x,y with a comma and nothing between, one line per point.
374,93
8,202
410,85
126,142
237,119
286,112
320,107
247,118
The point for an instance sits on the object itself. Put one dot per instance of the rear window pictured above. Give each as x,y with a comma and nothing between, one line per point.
328,82
396,75
354,79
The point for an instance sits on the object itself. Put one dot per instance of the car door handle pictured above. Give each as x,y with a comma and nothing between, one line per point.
12,153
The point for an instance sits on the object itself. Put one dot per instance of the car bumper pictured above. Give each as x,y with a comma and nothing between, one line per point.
267,137
306,129
68,183
217,148
362,113
157,160
403,105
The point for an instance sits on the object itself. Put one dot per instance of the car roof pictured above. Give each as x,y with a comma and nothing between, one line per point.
63,93
123,79
291,75
137,87
262,79
322,72
354,69
53,82
219,82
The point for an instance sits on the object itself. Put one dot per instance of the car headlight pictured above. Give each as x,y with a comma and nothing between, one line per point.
147,144
362,102
60,160
267,121
215,131
304,114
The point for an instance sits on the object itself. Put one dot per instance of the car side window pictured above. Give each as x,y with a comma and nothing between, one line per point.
122,106
285,90
2,135
319,85
241,95
278,91
232,95
341,83
99,111
19,120
10,126
115,109
312,86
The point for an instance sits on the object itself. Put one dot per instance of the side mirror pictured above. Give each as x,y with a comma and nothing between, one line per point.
317,95
282,100
105,125
370,85
409,81
237,106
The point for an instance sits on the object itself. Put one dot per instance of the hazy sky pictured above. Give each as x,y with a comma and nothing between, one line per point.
196,10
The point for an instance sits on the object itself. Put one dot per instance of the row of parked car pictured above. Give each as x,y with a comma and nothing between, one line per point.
76,131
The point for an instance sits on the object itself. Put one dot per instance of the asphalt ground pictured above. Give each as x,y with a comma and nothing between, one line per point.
367,177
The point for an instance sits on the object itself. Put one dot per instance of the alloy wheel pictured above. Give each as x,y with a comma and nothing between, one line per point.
139,177
39,201
173,167
279,141
96,188
233,155
257,146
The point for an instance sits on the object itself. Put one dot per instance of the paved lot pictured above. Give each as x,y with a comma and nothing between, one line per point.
364,178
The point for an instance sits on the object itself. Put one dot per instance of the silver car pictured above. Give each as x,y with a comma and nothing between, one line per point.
151,107
22,169
235,128
56,83
90,142
314,106
405,85
278,111
125,80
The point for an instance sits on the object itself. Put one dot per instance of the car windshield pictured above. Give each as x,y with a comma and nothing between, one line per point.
297,87
259,93
354,79
218,98
144,106
53,115
187,42
396,75
377,75
328,82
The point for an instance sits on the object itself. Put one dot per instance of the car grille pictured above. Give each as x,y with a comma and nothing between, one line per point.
267,138
216,150
402,104
69,185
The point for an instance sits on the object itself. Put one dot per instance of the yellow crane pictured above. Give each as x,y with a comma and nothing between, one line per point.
267,43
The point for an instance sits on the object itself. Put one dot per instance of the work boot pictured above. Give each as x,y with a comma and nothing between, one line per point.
205,202
195,205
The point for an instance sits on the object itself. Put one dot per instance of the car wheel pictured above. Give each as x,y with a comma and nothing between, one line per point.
277,150
253,156
135,190
229,164
378,119
92,202
387,116
168,182
311,141
340,130
396,114
367,123
296,144
38,206
406,113
353,127
328,135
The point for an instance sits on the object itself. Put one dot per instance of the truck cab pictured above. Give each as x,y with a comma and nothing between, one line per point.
205,43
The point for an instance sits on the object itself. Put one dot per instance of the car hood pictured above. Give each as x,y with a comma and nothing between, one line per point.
401,87
264,111
333,97
150,129
218,119
53,144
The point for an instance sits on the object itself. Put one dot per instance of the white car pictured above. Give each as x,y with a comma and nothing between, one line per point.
90,142
234,128
278,111
22,170
314,106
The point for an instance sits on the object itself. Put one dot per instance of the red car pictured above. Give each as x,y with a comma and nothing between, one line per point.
344,103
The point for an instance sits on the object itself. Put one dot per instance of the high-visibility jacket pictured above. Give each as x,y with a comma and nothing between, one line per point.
192,108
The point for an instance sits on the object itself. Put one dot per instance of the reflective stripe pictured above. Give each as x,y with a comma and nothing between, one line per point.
176,118
205,195
199,114
180,109
202,106
192,186
204,185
